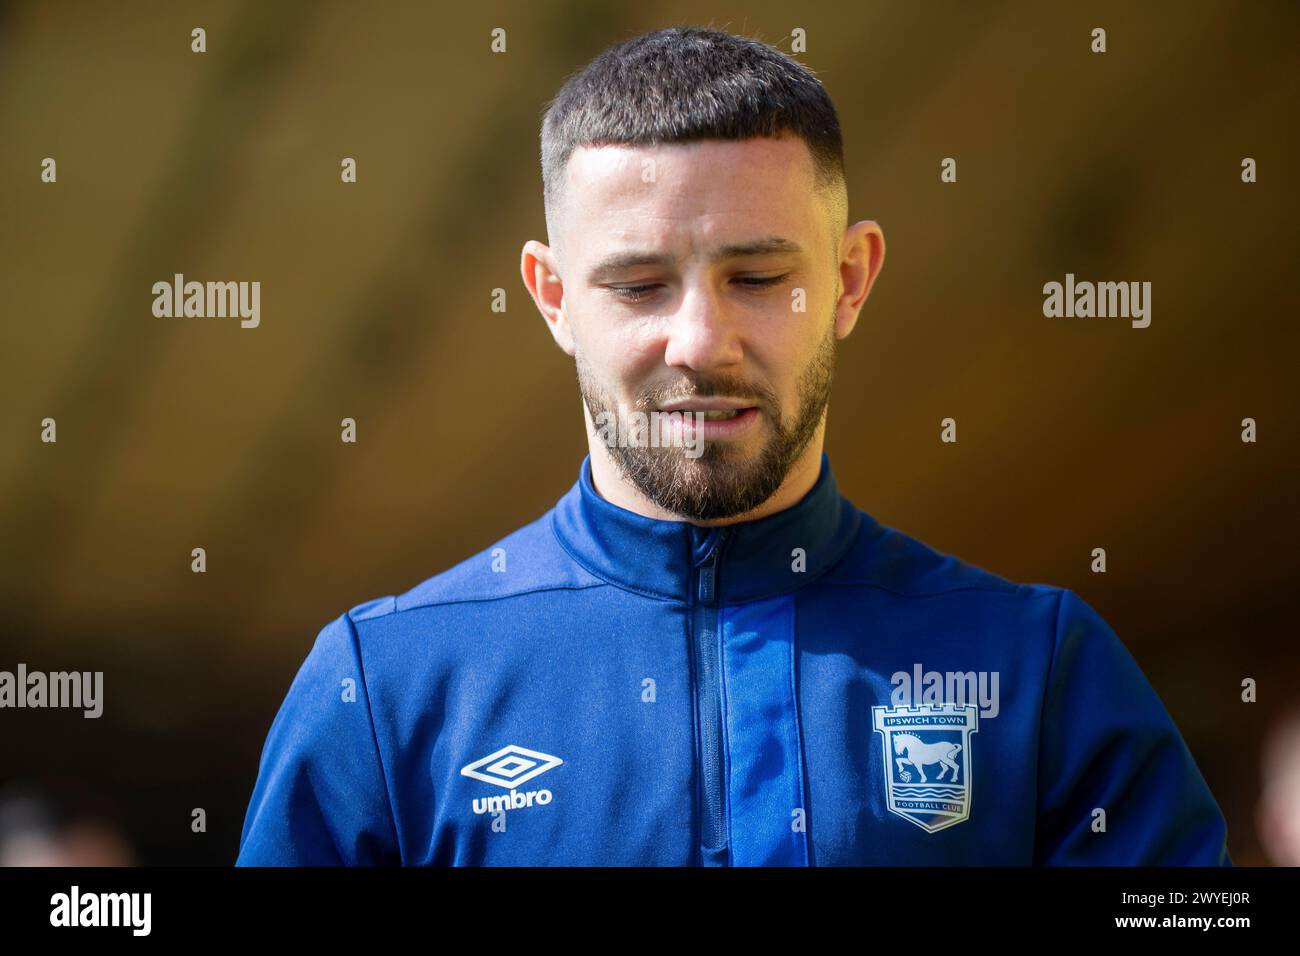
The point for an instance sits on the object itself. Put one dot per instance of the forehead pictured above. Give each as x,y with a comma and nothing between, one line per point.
705,188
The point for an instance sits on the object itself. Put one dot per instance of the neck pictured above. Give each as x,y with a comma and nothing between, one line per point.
611,485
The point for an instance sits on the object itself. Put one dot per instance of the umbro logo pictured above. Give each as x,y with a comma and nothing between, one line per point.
509,767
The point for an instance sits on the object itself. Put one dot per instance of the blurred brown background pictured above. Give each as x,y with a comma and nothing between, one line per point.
183,433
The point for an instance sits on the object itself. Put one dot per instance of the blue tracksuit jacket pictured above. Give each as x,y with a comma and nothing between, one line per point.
812,688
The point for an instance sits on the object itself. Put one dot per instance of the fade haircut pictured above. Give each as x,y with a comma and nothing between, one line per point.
685,84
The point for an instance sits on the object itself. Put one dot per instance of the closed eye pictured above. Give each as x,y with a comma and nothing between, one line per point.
632,293
637,293
755,282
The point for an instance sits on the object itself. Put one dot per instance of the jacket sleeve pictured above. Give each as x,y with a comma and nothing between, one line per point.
321,797
1107,742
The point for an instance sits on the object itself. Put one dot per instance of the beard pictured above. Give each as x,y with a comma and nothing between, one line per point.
722,481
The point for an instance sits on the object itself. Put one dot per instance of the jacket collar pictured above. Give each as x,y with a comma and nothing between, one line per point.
659,558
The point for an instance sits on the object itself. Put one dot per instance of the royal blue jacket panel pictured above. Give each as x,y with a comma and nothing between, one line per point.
809,689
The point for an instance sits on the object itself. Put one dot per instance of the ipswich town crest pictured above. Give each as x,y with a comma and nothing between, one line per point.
927,762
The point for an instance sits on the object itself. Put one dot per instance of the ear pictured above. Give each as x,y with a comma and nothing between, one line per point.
541,275
861,258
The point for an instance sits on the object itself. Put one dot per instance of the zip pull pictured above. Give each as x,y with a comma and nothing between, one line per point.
706,582
707,591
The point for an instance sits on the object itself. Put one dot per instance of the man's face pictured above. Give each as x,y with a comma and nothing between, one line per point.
701,277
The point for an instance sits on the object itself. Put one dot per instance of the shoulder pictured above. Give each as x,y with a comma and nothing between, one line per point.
911,573
527,561
887,559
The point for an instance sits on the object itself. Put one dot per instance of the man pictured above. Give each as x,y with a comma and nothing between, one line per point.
704,654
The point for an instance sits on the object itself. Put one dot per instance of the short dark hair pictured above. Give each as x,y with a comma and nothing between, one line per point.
684,84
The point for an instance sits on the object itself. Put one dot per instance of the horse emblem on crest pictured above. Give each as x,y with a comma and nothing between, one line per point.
917,739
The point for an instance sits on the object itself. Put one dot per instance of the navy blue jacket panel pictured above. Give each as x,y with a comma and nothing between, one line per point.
811,688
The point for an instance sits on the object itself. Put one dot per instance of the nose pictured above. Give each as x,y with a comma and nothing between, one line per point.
703,335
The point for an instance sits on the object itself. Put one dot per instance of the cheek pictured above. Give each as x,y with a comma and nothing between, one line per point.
781,358
622,351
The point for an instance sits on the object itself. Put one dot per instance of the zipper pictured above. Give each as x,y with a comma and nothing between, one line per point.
708,668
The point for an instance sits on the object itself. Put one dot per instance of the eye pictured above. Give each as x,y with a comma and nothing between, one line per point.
755,282
638,293
631,293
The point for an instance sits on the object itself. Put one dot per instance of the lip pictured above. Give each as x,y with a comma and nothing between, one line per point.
705,405
723,430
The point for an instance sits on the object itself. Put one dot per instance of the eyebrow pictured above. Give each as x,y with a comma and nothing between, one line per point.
620,261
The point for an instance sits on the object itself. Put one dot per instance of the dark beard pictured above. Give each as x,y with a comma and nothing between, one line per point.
719,483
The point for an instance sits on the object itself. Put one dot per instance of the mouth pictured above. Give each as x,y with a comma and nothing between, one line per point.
711,409
717,414
706,420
